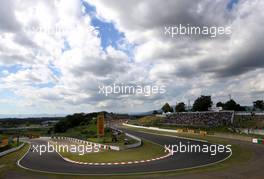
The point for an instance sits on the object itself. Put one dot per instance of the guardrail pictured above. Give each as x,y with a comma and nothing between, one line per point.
11,150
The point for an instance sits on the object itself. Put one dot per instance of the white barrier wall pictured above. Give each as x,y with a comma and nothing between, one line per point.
152,128
135,144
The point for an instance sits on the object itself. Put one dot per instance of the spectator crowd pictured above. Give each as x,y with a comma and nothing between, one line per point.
200,119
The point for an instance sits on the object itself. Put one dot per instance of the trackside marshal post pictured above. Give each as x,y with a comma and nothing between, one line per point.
100,124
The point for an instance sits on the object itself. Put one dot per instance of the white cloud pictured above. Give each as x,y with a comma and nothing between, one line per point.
44,33
220,60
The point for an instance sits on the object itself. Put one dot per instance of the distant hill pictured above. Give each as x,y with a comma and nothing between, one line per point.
23,116
145,113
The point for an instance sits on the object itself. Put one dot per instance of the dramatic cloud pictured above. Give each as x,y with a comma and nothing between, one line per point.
55,54
192,58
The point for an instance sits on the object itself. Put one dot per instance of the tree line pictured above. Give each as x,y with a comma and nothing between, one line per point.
74,120
204,103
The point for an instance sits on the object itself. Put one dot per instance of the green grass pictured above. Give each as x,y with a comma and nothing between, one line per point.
240,154
254,122
8,162
81,132
89,133
26,132
155,121
9,146
207,129
106,139
147,151
148,120
210,131
249,122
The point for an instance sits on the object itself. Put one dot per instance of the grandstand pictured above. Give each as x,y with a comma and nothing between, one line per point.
200,119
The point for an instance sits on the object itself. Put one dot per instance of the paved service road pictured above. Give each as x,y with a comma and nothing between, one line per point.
52,162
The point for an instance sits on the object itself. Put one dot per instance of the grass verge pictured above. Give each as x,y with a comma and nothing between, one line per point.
147,151
240,154
8,162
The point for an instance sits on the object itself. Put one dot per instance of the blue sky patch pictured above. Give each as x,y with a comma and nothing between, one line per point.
109,35
231,3
12,68
56,71
7,94
44,85
66,46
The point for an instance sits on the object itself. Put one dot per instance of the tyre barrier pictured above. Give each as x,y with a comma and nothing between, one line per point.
258,141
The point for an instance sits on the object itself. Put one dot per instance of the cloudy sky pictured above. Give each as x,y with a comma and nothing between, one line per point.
55,53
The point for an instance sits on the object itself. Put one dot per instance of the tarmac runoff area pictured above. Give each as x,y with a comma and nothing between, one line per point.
54,163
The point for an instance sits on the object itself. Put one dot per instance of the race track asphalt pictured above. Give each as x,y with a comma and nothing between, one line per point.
52,162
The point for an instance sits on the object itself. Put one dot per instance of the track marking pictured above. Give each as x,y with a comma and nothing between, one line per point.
119,174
